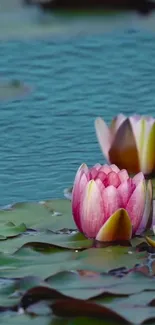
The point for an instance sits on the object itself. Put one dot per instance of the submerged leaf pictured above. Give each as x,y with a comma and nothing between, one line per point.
77,307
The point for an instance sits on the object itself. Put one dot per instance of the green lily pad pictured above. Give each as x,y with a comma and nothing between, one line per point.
41,248
52,214
140,299
9,229
12,289
73,242
82,287
134,315
14,319
105,259
86,287
29,262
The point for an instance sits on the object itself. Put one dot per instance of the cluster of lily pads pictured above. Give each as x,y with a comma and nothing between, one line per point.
89,259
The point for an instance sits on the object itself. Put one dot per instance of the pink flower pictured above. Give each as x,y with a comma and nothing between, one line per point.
109,205
128,142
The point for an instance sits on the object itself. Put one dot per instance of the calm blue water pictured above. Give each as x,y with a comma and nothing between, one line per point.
75,77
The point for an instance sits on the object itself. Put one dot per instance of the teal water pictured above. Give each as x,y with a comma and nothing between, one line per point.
77,69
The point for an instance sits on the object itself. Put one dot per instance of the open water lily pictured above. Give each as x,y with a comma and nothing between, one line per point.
128,142
109,205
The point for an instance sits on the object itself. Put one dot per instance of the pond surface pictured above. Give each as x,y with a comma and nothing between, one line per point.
77,68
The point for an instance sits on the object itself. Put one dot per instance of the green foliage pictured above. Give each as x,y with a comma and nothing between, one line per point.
50,274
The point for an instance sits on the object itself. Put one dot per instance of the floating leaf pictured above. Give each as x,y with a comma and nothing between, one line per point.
83,287
105,259
77,307
17,319
29,262
73,242
43,254
52,214
9,229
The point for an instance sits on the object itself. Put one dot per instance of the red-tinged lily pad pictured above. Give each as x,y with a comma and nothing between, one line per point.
91,321
64,306
77,307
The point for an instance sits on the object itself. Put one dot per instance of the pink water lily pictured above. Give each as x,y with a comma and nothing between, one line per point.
128,142
109,205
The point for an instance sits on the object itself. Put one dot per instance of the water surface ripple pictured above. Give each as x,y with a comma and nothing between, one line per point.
47,135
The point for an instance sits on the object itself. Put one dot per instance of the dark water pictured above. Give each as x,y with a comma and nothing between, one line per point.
78,69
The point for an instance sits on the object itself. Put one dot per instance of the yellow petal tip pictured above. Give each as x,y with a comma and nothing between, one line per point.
117,228
150,241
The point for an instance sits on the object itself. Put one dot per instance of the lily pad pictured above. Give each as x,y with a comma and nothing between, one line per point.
73,242
51,214
17,319
105,259
88,287
9,229
30,262
44,257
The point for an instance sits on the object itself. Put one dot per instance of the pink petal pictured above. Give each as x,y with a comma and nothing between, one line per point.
91,210
136,204
97,166
138,178
116,123
136,117
100,185
106,169
149,119
125,190
83,170
93,172
123,175
111,201
104,136
112,179
79,184
102,176
115,168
